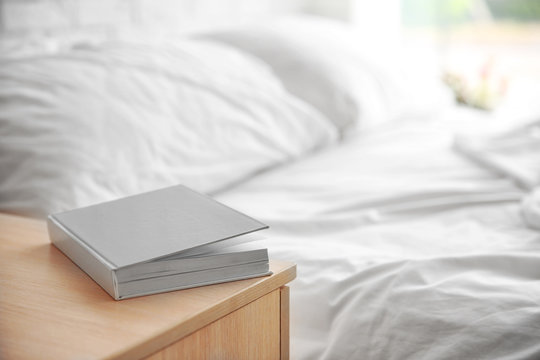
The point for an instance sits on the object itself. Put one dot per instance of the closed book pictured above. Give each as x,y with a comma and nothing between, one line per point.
163,240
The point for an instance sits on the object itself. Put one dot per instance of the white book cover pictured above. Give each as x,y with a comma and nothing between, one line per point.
105,238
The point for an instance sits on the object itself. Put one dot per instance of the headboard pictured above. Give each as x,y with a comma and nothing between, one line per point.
20,17
30,26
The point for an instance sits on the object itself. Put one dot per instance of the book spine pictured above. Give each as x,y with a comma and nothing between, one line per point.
84,257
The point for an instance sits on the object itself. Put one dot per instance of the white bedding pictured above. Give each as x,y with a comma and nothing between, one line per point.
405,250
325,63
89,125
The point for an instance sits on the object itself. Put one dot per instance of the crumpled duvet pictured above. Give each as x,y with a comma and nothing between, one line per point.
404,248
515,153
531,209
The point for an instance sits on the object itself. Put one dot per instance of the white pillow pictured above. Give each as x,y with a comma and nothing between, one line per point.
95,124
330,66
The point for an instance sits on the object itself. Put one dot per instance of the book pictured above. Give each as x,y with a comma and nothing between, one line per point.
163,240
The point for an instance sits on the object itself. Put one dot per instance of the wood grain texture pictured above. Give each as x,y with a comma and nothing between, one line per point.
251,332
284,322
49,308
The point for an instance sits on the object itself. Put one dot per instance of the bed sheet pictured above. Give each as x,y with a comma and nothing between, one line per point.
405,250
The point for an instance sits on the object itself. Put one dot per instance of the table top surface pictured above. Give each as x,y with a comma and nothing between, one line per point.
49,306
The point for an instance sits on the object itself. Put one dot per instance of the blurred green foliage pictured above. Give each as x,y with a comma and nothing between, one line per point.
455,12
517,10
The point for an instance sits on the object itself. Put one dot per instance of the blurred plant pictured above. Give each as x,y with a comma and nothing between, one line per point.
444,13
437,13
483,91
516,10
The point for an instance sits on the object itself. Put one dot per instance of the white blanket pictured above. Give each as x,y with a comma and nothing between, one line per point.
405,250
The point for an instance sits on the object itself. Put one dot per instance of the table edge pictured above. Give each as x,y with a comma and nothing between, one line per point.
232,303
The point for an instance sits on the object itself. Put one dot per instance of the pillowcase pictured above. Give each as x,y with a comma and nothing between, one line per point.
327,64
95,124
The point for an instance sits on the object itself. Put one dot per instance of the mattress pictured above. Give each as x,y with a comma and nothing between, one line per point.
405,249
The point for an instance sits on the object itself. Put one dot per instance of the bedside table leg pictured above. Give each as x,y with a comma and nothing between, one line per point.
284,327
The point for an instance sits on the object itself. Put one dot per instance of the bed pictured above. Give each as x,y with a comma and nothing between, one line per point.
406,248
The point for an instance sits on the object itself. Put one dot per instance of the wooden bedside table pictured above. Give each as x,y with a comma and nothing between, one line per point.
49,308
